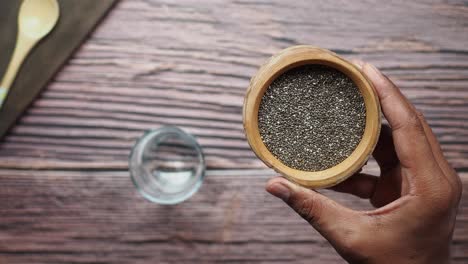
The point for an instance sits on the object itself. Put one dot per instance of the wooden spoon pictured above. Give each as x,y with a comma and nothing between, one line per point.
35,20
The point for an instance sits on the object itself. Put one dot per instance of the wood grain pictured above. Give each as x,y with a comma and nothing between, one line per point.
97,217
66,193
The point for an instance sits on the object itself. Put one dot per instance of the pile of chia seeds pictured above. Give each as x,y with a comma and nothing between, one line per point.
312,117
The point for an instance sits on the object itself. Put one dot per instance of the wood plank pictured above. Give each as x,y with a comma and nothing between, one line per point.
77,19
92,216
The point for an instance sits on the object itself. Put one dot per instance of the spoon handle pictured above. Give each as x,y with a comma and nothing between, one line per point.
22,48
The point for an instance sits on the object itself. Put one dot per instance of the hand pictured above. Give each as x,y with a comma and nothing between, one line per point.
416,196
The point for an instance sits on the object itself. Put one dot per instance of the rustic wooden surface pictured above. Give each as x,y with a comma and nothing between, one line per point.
47,57
65,192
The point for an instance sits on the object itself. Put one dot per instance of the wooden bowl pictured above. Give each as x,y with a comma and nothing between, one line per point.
306,55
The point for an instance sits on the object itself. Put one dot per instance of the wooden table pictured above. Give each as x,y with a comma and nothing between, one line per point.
65,191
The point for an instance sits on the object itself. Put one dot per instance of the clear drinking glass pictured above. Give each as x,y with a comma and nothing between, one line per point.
167,165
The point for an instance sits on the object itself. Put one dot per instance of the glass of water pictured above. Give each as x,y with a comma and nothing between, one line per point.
167,165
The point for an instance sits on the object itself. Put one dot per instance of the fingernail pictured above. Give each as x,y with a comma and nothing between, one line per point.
279,190
358,63
374,69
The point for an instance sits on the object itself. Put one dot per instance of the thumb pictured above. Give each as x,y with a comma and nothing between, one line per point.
329,218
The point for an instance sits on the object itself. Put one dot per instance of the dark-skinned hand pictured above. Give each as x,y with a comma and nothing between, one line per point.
415,198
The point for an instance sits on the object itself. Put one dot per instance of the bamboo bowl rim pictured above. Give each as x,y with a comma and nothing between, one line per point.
308,55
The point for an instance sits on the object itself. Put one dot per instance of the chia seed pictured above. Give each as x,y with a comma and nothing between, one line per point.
312,117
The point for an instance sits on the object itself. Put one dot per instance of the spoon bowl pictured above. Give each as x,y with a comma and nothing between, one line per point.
37,17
